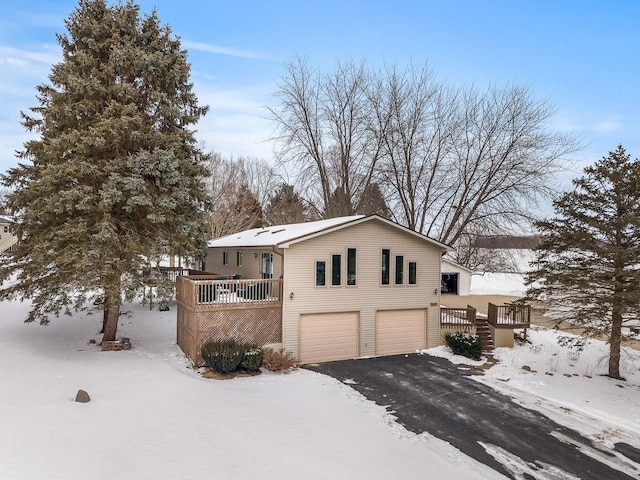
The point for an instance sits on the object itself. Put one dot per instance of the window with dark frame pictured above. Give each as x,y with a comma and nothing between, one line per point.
238,259
321,272
351,266
413,273
386,257
399,269
225,258
336,276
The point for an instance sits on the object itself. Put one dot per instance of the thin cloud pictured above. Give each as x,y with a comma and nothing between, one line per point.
607,126
10,54
232,52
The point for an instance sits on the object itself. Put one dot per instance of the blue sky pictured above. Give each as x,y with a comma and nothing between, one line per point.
581,55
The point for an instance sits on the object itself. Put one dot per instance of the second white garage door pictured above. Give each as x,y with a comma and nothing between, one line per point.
400,331
328,336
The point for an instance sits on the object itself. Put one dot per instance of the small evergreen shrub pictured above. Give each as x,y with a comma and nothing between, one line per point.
278,361
252,357
222,356
465,344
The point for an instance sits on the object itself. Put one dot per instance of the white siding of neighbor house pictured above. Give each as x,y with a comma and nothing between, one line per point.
369,295
251,262
464,276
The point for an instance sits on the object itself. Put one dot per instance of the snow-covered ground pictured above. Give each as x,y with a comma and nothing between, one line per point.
497,284
152,417
567,384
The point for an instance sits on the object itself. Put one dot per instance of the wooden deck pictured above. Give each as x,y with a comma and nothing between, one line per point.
245,310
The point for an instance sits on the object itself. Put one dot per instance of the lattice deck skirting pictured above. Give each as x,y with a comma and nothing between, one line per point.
260,325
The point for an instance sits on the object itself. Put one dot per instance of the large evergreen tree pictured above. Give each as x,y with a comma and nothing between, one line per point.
589,261
285,206
114,176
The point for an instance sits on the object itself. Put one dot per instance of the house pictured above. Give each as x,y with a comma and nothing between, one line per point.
7,239
333,289
456,279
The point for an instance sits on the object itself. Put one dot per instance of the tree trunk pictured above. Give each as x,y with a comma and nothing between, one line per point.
105,312
614,344
112,314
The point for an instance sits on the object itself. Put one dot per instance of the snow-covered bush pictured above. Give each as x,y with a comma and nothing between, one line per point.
465,344
252,357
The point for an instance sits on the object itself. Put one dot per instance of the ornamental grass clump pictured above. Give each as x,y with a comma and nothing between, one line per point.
279,361
465,344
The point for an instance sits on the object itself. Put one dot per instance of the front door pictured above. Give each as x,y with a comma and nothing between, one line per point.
267,265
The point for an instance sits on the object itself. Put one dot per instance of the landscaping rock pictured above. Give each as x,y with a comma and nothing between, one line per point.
82,397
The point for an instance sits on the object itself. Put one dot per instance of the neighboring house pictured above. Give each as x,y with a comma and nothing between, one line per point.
456,279
345,288
7,239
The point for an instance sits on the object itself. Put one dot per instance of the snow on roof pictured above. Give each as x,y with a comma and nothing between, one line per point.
277,234
6,219
451,262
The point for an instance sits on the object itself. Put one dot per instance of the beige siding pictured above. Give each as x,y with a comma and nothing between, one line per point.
328,336
400,331
251,262
368,296
502,337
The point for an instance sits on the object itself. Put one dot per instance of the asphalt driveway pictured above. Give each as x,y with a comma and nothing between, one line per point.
430,394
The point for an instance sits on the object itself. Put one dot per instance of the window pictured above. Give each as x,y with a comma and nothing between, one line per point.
351,266
238,259
386,257
321,270
413,270
399,269
336,261
6,229
225,258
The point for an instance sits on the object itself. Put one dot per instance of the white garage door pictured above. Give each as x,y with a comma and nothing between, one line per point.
400,331
328,336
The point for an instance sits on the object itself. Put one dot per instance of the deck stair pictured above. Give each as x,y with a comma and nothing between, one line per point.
483,331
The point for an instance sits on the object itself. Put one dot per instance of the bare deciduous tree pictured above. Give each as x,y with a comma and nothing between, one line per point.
323,125
415,120
504,161
238,185
449,161
4,193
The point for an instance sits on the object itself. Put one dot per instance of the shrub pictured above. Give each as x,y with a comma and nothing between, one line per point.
278,361
465,344
222,356
252,357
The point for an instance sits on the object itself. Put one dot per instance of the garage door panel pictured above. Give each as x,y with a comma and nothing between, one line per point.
400,331
327,337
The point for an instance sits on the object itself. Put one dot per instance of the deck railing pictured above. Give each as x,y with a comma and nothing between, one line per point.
172,273
203,292
509,316
458,317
